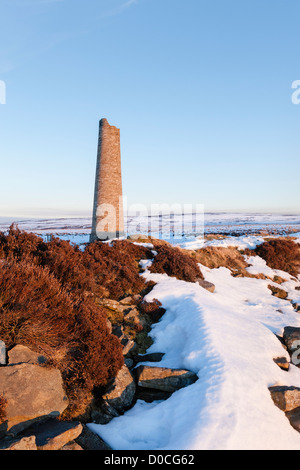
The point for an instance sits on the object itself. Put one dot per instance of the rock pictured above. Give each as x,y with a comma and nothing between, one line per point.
21,354
118,331
103,414
207,285
129,346
54,434
132,316
150,395
25,443
88,440
296,306
161,378
291,337
121,391
129,362
127,301
72,446
286,398
277,292
2,353
109,325
282,362
294,418
33,393
151,357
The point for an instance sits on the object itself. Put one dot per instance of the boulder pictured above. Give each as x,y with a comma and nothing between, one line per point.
33,393
55,434
286,398
121,391
164,379
207,285
21,354
24,443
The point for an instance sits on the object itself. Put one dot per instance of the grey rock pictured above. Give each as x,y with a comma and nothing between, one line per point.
165,379
55,434
88,440
21,354
33,393
121,391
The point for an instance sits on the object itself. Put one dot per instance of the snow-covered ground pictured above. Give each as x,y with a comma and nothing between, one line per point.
180,228
228,339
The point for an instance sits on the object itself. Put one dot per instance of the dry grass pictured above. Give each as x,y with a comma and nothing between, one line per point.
227,257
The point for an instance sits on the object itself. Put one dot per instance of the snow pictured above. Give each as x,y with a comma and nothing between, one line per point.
241,242
228,339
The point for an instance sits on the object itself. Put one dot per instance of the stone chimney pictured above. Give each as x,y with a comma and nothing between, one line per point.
108,218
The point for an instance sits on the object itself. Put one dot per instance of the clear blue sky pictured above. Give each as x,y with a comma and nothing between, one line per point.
201,90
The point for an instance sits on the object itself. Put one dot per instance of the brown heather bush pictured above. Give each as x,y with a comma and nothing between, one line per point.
153,310
176,263
116,267
70,330
48,302
282,254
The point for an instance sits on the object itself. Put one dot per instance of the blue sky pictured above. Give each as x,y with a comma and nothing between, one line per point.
200,89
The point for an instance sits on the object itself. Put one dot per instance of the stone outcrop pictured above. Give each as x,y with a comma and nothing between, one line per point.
285,398
32,393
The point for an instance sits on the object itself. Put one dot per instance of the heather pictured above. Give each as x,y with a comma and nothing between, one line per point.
48,302
281,254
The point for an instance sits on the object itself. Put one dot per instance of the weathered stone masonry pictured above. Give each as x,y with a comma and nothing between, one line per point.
108,218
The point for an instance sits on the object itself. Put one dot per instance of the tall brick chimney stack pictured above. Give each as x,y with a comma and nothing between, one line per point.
108,218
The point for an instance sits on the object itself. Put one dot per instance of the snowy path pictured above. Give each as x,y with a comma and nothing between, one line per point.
228,339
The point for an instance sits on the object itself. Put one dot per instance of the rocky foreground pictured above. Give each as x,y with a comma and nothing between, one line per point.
36,399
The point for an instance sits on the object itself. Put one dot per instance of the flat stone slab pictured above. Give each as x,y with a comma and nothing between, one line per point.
165,379
55,434
24,443
21,354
